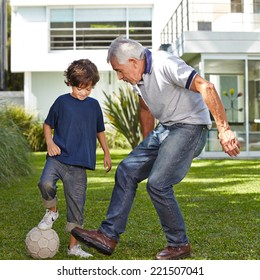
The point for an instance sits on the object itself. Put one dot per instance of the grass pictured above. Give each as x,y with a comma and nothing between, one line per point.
220,201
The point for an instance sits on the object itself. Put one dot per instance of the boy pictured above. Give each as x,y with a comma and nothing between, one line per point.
77,121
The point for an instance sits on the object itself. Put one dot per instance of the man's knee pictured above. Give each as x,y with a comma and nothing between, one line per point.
122,168
160,183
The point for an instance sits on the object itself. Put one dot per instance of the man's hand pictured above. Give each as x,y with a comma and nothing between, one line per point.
229,143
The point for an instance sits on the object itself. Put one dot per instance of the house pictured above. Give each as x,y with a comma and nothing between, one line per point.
221,39
48,35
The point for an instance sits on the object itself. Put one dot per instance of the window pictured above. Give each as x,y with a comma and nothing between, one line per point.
72,29
254,104
257,6
237,6
228,76
61,29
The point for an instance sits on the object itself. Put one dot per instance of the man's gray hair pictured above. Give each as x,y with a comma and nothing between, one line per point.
122,49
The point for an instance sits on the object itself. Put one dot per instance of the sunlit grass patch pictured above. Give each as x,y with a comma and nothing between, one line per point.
219,199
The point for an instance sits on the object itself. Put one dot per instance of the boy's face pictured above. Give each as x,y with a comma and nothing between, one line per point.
81,92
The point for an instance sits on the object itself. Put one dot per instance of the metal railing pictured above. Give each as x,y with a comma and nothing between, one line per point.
217,17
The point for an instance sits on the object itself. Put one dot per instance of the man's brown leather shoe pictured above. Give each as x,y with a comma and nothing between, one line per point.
174,253
95,239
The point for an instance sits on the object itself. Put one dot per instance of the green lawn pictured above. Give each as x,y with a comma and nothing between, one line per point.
220,201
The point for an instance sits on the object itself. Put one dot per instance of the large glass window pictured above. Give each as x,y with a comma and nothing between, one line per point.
61,29
96,28
228,78
254,104
257,6
140,26
237,6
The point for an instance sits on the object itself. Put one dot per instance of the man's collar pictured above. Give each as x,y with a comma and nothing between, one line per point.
148,62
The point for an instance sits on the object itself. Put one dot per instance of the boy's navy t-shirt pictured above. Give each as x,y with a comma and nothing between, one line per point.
76,124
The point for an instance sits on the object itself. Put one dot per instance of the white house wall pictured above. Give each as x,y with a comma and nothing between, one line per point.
196,42
30,38
43,69
30,45
42,88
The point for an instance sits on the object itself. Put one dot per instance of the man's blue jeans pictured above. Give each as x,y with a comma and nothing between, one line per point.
164,157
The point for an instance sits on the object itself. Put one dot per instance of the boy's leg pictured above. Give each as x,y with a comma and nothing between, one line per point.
48,188
47,183
75,185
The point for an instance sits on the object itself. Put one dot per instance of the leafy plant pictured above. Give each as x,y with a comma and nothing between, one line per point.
27,123
19,116
122,110
14,152
116,140
35,137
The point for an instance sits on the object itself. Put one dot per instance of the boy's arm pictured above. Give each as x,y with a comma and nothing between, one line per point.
103,142
52,148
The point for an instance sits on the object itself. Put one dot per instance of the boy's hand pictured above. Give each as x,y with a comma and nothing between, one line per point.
53,149
107,163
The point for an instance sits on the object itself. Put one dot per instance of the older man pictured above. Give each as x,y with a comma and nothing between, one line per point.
179,98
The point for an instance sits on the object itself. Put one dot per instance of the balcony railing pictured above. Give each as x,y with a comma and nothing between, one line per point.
217,17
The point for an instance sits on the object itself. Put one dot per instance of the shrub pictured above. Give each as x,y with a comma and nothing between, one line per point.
35,137
17,115
14,152
116,140
122,110
28,124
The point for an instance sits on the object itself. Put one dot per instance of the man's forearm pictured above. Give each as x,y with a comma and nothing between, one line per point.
146,119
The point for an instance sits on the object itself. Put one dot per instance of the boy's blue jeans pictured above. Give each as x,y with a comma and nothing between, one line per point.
74,181
164,157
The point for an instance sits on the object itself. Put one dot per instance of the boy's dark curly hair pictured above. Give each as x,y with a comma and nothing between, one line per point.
81,72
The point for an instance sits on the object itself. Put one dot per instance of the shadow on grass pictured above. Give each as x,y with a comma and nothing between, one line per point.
219,199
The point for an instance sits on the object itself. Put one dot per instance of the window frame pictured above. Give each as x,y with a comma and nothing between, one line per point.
87,38
256,6
237,6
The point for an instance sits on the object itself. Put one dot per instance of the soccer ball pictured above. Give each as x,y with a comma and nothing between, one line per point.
42,244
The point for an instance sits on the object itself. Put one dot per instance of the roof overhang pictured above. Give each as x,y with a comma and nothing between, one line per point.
190,44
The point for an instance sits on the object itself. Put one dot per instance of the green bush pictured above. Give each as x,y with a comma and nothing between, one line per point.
35,137
14,152
18,115
122,110
28,124
116,140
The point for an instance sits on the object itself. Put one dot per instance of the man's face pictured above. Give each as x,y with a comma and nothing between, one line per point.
129,72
